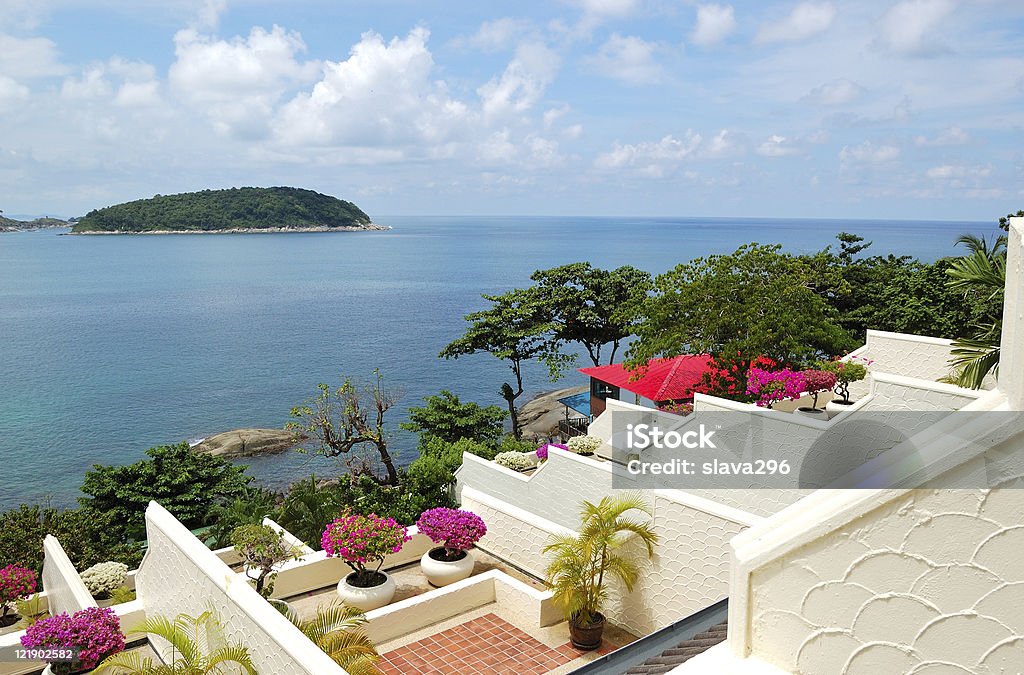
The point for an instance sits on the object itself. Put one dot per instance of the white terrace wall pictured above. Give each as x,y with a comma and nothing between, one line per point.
688,572
926,581
897,392
180,575
917,356
63,585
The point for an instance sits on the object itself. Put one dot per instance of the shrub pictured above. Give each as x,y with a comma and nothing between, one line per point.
817,381
681,409
95,632
262,549
845,372
16,583
363,540
773,386
454,529
104,578
585,445
517,461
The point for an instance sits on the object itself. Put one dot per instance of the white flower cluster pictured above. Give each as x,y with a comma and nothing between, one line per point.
102,579
517,461
583,445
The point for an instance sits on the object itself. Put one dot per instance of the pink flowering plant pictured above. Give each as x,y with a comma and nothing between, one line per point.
542,450
93,634
817,381
454,529
16,582
362,540
771,386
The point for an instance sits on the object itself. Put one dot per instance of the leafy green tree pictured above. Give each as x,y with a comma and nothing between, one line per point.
250,509
592,306
1004,222
515,329
446,418
308,508
350,417
980,276
184,482
756,301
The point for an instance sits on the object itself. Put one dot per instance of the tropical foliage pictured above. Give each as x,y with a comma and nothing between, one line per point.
338,630
446,418
197,646
237,208
262,550
581,565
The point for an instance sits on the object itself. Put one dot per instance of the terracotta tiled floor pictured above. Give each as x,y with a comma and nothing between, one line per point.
484,646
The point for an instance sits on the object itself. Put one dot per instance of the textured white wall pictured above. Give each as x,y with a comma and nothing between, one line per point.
894,392
180,575
1011,367
930,582
61,580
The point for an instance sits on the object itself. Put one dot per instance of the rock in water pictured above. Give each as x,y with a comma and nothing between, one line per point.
247,442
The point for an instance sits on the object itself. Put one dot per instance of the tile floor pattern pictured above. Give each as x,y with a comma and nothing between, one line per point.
488,645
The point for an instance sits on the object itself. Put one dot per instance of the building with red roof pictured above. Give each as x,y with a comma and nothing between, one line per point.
661,381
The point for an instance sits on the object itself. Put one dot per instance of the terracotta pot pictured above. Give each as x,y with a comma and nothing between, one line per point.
443,572
367,598
587,638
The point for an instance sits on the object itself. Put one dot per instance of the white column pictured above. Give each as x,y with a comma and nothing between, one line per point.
1011,357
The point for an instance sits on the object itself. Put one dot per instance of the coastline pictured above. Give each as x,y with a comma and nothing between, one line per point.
372,227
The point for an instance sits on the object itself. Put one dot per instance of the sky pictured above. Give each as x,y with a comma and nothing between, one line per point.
909,109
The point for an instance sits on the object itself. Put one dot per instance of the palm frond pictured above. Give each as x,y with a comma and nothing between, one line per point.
972,361
126,663
236,654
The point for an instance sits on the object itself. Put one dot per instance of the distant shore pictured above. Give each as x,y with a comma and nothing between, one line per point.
372,227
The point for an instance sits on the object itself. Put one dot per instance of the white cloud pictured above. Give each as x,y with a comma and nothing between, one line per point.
805,21
11,92
723,144
714,24
22,58
381,95
869,153
209,13
778,146
836,92
613,8
908,27
522,83
237,82
950,136
628,59
647,154
495,35
953,171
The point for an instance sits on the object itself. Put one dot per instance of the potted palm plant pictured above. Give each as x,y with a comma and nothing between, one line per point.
337,629
581,565
197,645
456,531
361,541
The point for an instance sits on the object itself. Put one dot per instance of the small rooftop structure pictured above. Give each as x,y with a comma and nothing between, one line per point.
661,380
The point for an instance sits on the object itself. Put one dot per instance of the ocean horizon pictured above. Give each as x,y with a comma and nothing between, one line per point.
115,344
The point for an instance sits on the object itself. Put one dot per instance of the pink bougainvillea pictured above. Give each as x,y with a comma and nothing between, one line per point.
94,632
773,386
361,540
818,381
542,450
15,583
455,529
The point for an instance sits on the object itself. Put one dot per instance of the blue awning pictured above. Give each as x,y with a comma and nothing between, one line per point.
578,402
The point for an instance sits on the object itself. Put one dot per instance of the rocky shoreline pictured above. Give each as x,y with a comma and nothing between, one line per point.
372,227
248,443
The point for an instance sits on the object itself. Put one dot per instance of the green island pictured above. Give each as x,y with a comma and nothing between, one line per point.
246,209
11,225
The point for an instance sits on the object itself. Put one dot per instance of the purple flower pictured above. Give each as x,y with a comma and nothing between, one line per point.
95,632
15,583
359,539
455,529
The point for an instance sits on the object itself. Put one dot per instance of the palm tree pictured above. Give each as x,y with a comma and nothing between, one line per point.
981,277
337,630
579,565
189,638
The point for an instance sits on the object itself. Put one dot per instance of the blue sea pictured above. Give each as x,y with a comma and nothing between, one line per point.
112,344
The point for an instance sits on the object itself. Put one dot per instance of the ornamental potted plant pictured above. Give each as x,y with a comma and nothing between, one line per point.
88,637
845,372
771,386
361,541
585,445
102,579
580,565
16,583
456,531
263,551
815,382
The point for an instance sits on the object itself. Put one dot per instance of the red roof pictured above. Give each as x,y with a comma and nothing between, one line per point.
663,380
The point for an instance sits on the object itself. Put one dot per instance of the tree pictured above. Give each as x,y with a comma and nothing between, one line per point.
307,510
1004,222
184,482
593,306
446,418
755,302
514,329
347,418
980,276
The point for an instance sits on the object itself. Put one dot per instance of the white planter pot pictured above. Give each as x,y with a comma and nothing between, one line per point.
280,605
836,406
367,598
441,573
812,413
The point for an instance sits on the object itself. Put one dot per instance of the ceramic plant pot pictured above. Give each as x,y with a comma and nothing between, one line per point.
812,413
836,406
369,598
440,572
